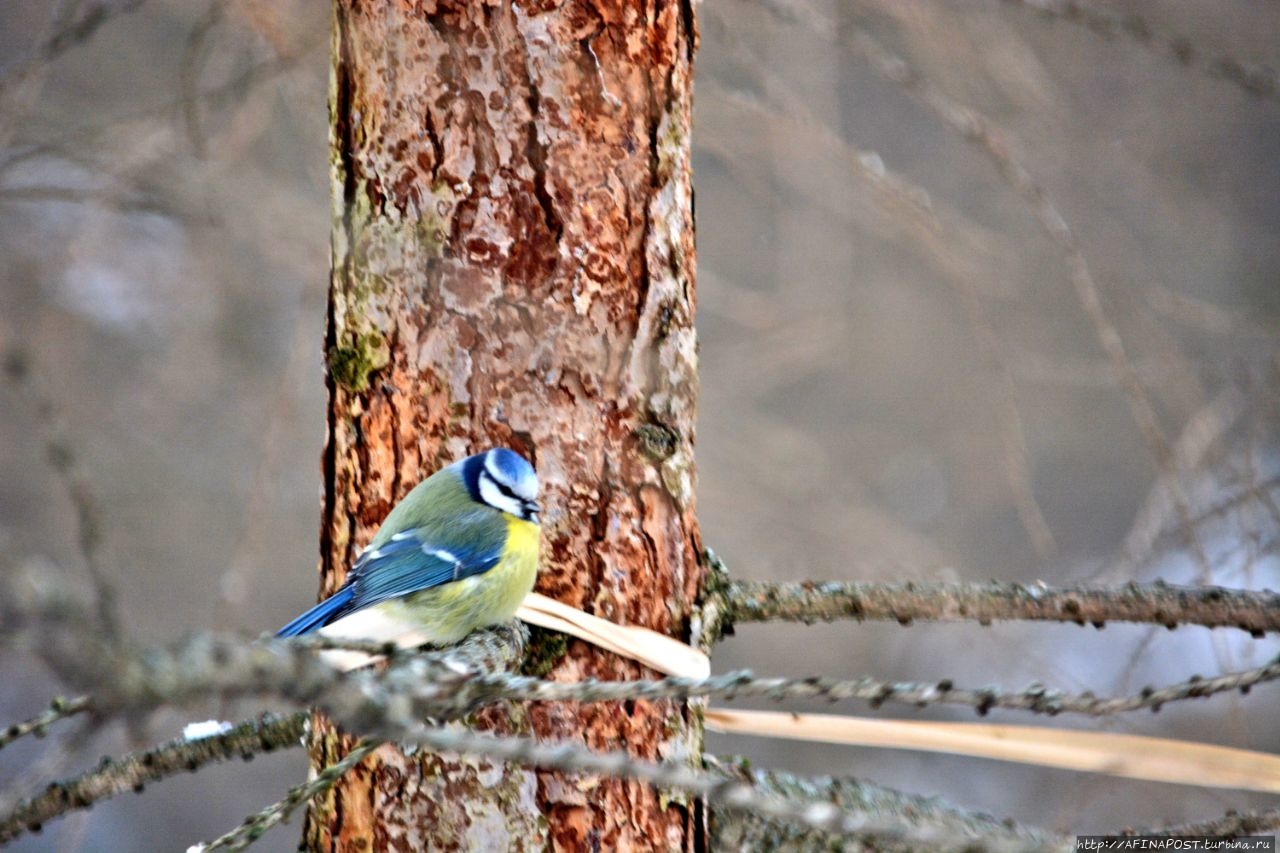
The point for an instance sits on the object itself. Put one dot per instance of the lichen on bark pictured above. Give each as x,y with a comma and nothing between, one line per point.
513,228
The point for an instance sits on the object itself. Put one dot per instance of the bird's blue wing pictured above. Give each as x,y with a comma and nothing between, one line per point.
320,615
408,562
405,564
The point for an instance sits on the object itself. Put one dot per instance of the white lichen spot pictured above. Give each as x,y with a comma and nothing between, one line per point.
205,729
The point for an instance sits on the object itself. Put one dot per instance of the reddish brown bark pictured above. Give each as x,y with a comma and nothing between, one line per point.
513,264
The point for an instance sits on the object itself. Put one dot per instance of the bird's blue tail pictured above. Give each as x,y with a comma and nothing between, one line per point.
320,615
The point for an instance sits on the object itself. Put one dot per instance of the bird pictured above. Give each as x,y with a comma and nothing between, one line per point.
459,552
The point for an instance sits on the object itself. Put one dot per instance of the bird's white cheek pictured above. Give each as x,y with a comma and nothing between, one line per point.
493,496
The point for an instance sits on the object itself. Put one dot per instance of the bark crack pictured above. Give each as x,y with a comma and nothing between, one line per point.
536,149
690,30
341,277
433,139
600,528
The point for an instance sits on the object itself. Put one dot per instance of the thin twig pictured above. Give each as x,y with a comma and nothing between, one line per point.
193,60
1256,80
1258,493
978,129
1202,432
133,772
75,29
972,830
718,788
62,458
258,823
1155,603
59,709
1035,698
477,689
1231,824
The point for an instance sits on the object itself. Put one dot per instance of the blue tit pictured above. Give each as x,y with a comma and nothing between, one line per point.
458,553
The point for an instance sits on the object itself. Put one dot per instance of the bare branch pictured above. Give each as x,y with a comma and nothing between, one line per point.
193,60
59,709
75,28
979,130
122,199
389,704
1256,80
1201,433
63,459
728,791
134,771
1232,823
1155,603
256,824
471,690
131,682
755,832
1258,493
1035,698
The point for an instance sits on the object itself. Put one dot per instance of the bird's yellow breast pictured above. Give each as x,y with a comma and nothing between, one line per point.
522,538
520,559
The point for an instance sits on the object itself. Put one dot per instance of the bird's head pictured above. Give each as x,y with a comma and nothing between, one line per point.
504,480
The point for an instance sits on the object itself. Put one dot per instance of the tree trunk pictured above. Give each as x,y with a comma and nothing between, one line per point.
513,264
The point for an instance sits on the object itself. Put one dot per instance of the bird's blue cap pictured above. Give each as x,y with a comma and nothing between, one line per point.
509,466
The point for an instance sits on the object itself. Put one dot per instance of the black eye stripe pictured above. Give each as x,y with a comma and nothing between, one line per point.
501,487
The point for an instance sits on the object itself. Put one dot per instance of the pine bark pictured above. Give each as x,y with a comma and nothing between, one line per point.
513,264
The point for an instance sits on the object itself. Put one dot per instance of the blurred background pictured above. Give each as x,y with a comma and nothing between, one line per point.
902,374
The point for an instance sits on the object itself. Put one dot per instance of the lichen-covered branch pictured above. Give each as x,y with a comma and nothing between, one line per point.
390,703
726,790
1232,823
59,709
468,689
954,828
453,682
1155,603
258,823
55,624
131,773
1035,698
129,682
